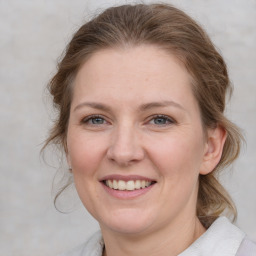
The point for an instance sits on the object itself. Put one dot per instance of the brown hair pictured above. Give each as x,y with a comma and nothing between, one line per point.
166,26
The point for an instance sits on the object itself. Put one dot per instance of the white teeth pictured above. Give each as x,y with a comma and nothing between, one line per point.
127,185
137,184
110,184
130,185
121,185
115,184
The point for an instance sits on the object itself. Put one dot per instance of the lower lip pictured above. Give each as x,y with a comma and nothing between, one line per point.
127,194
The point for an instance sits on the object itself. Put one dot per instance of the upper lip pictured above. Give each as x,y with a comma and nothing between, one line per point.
125,177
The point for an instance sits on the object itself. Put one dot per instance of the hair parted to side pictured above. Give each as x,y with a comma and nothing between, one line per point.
168,27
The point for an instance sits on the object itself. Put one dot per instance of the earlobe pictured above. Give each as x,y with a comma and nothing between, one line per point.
67,154
69,163
68,160
214,147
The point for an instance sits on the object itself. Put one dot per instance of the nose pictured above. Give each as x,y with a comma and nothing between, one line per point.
125,147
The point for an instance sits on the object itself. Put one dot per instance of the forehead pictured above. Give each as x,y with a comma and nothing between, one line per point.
145,72
145,57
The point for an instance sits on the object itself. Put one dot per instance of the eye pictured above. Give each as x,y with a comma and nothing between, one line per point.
161,120
94,120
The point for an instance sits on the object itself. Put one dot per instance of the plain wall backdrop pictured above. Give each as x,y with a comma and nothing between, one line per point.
33,36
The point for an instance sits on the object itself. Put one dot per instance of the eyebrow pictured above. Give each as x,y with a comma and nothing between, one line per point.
142,108
159,105
93,105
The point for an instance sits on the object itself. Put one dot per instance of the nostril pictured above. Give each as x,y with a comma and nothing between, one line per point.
124,155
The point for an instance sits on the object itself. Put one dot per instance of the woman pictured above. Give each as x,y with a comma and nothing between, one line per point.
141,95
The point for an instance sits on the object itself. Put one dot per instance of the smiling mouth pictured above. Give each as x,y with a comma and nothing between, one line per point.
129,185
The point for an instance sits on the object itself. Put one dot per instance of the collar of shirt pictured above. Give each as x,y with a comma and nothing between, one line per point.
221,238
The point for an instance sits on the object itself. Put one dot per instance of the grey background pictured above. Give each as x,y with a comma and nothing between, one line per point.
33,35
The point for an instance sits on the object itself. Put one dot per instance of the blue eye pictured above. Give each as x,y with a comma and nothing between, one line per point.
94,120
161,120
97,120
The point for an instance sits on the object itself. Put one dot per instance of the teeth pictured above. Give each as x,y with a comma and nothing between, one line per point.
137,184
115,184
127,185
130,185
110,184
121,185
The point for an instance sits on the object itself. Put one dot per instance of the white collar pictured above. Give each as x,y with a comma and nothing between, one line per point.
221,239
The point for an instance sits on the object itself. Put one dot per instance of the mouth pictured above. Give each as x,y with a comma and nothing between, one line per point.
129,185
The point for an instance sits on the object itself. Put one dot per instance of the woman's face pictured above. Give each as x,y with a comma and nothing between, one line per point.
135,140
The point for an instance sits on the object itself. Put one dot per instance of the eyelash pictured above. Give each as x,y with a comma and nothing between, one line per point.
163,117
90,118
166,118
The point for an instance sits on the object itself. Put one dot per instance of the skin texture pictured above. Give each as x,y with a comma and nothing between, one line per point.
121,87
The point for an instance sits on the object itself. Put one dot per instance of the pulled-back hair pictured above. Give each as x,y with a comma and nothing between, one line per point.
166,26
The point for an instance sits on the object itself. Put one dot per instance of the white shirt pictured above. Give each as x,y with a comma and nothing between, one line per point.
221,239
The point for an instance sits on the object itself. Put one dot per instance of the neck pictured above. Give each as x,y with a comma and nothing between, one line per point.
170,240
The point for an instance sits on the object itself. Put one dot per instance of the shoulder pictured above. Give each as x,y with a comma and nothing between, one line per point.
92,247
247,248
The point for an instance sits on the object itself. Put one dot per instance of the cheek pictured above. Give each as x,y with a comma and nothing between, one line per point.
179,156
85,152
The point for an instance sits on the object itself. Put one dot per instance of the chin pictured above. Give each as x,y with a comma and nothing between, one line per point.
127,221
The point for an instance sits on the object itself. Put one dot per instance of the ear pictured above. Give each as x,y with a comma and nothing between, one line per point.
68,157
213,149
68,160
